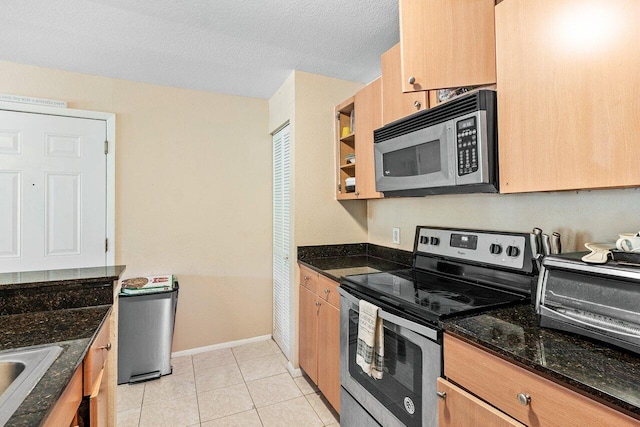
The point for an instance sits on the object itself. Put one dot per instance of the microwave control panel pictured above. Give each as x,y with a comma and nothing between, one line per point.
467,137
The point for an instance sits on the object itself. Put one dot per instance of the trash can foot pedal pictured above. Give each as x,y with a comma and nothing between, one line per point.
144,377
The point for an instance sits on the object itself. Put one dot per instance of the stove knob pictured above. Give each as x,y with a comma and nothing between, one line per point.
513,251
424,240
495,249
435,241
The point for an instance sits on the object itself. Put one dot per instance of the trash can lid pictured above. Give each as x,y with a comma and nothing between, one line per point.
149,284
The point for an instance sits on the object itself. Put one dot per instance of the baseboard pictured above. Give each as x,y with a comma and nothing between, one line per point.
229,344
295,372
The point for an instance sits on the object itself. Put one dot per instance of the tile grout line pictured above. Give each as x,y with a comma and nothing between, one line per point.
255,408
195,385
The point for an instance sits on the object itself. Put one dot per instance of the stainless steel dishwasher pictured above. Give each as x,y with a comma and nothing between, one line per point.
145,333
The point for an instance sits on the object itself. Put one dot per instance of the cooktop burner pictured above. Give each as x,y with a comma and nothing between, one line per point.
433,296
454,272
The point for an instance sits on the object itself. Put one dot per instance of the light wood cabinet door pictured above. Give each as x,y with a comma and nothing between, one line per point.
98,412
328,290
395,103
368,107
96,357
308,333
447,43
309,278
329,353
568,90
457,408
500,383
65,410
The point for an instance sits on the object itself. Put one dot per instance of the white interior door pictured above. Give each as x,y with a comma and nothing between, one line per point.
281,240
52,192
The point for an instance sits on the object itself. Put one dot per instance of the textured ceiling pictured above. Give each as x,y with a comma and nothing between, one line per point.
227,46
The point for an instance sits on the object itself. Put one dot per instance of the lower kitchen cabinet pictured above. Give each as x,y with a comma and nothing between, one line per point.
65,411
457,408
308,326
91,381
329,353
519,395
319,329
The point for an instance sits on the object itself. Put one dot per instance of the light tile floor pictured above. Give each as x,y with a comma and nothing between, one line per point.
247,385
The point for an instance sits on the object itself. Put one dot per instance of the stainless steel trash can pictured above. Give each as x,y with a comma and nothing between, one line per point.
145,334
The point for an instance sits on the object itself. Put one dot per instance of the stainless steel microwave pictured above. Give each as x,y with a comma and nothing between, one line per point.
451,148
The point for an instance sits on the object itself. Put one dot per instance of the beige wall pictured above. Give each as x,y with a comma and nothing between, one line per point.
584,216
307,101
319,218
193,194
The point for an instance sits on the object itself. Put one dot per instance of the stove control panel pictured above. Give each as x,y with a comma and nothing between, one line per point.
494,248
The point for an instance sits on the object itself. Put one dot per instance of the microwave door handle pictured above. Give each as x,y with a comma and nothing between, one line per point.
452,153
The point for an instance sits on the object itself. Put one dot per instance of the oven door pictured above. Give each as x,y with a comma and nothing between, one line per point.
420,159
406,394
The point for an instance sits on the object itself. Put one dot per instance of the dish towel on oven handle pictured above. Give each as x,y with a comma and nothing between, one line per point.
370,351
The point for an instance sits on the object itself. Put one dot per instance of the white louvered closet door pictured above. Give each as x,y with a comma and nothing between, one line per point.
281,240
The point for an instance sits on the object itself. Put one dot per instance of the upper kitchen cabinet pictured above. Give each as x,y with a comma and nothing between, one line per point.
447,43
395,103
356,119
568,91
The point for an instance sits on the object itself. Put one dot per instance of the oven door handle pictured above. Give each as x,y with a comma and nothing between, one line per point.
432,334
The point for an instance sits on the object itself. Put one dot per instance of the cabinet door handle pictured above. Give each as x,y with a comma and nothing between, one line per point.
357,194
306,278
524,399
442,394
105,347
412,80
318,303
417,105
326,291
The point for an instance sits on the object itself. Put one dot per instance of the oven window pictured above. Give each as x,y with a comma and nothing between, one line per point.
400,389
415,160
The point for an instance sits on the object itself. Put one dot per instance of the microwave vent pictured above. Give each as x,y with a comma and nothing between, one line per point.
455,108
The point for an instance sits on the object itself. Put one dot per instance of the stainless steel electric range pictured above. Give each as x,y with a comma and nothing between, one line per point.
455,272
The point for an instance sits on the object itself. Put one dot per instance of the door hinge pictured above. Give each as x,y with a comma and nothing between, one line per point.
106,147
106,245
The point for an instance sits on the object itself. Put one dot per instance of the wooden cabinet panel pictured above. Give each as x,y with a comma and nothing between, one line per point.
568,79
67,406
499,382
98,401
96,357
329,354
328,290
368,105
309,278
395,103
461,409
319,340
447,43
308,333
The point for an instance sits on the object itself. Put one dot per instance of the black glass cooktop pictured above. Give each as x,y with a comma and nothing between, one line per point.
427,295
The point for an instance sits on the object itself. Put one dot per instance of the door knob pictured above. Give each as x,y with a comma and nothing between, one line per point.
412,80
442,394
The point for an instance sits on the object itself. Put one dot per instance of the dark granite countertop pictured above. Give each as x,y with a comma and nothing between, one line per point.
73,330
64,277
55,307
602,372
336,261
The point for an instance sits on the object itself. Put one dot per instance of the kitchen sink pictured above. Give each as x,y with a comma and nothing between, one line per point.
20,371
